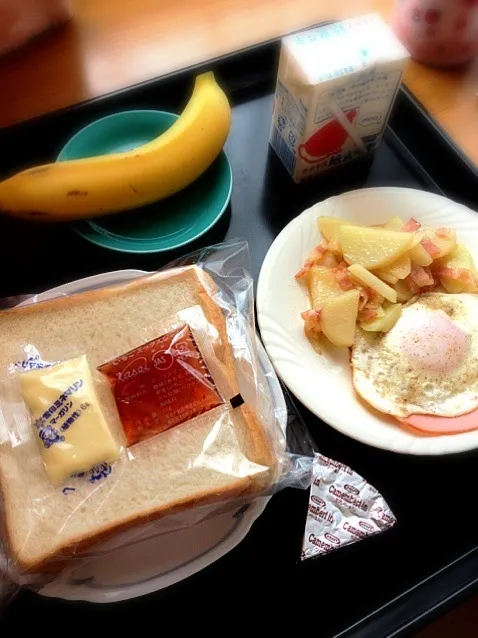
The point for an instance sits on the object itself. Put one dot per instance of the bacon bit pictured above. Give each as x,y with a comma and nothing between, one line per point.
343,265
363,299
375,298
369,303
329,260
421,277
458,274
312,321
312,259
431,248
411,285
428,288
367,314
434,267
411,226
433,286
431,278
442,233
311,315
343,278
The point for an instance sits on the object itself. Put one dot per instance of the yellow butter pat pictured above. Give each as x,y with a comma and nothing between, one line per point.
67,418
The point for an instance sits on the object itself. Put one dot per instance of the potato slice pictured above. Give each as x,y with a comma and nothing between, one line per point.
322,285
470,287
372,281
403,292
444,239
390,279
418,235
461,263
399,269
334,244
384,324
373,247
419,256
459,257
452,285
333,240
328,226
338,318
395,223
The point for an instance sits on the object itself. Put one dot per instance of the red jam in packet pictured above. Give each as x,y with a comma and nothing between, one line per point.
161,384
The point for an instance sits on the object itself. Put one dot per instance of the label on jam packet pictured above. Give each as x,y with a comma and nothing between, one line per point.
161,384
343,509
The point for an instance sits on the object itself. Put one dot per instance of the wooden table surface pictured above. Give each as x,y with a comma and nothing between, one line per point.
113,44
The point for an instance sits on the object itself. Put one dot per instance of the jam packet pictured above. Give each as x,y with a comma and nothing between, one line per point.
161,384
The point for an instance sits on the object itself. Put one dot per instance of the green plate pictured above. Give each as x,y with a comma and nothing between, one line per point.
166,224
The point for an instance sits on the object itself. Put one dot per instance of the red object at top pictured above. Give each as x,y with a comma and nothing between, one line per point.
438,32
161,384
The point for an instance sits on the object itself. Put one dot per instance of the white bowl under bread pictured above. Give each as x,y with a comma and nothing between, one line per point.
210,458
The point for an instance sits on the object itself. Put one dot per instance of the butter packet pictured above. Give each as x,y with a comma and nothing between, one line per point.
343,509
67,417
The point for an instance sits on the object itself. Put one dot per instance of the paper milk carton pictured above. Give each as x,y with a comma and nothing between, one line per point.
335,89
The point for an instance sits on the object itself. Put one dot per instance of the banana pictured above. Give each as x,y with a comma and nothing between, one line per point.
80,189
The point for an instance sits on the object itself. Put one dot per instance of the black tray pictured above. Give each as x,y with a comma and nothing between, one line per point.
384,586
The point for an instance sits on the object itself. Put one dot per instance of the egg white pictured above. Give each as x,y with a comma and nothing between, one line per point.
384,376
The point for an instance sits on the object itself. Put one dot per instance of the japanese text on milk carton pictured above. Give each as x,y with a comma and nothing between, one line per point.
336,86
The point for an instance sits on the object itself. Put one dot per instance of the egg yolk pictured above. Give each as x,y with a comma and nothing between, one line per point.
434,343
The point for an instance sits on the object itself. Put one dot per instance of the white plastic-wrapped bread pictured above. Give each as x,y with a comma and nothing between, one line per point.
214,455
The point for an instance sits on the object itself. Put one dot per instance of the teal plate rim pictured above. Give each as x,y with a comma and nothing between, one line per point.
89,230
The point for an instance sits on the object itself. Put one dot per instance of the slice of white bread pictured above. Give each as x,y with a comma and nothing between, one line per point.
216,456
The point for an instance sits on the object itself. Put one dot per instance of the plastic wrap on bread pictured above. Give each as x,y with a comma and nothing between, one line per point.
135,409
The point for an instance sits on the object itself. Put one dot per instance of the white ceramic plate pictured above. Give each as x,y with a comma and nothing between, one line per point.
323,383
147,565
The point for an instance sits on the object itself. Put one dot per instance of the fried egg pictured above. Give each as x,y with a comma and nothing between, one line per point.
427,363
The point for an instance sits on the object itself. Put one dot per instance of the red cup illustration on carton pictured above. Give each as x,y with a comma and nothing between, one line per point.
336,86
326,141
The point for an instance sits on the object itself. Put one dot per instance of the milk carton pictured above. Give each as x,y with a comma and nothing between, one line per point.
335,89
